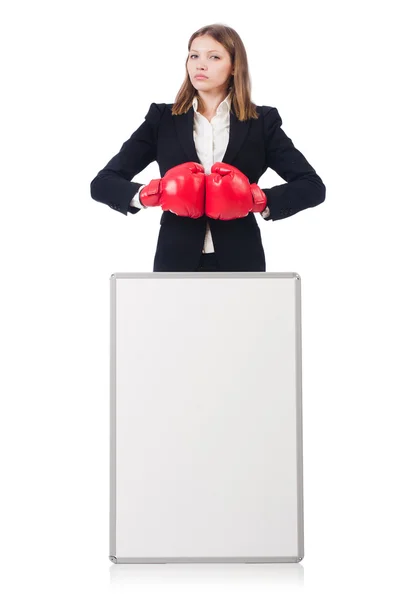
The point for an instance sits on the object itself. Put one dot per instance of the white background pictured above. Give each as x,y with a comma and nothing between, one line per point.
77,80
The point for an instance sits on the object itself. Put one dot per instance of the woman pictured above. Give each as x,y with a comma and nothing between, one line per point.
212,145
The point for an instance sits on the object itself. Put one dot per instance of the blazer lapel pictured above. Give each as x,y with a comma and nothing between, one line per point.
184,130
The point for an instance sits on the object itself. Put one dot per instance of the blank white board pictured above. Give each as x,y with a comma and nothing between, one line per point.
205,417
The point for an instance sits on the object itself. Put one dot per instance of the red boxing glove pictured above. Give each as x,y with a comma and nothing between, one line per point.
230,195
181,191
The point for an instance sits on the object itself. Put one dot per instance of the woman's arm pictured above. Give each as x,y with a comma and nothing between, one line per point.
304,189
113,185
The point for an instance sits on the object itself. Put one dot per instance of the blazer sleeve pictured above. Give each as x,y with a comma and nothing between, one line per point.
304,188
113,185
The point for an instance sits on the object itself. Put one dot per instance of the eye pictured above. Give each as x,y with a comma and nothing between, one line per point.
191,56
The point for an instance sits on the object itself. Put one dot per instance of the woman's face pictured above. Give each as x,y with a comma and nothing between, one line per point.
208,57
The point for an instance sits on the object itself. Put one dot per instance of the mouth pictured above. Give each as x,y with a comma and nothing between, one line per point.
200,77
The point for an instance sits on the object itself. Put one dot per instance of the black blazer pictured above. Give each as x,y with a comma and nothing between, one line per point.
254,145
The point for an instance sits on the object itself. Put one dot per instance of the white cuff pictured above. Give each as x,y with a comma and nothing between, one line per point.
135,200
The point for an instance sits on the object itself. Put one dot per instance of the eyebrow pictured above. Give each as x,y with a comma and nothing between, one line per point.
193,50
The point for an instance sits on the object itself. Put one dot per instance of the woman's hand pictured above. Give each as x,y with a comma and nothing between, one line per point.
230,195
181,191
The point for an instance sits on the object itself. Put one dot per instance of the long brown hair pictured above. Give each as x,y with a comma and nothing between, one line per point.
240,82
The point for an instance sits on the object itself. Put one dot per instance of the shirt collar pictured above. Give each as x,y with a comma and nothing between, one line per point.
223,106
